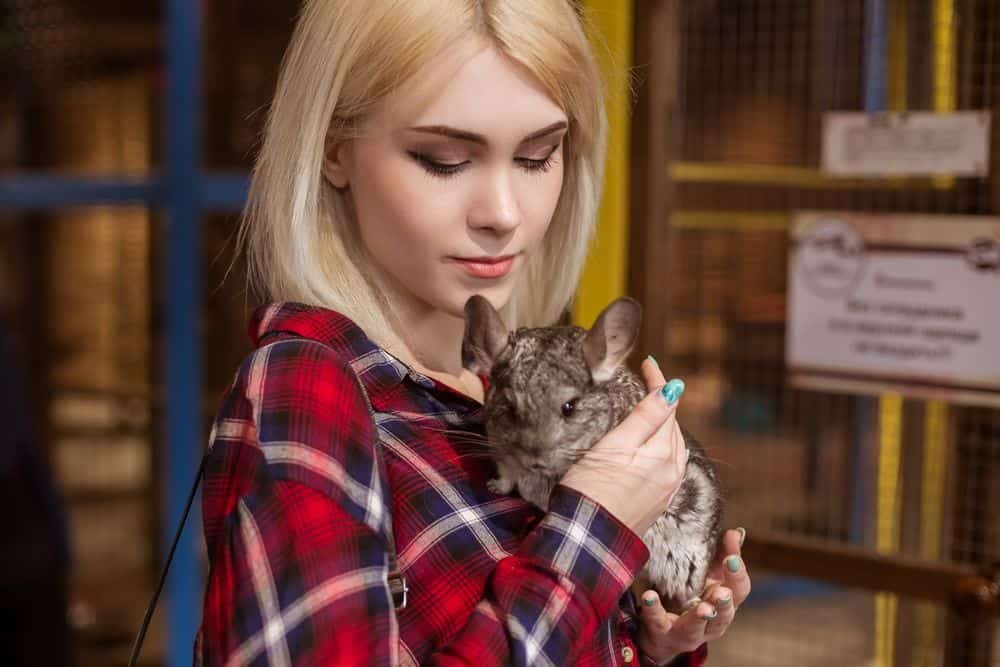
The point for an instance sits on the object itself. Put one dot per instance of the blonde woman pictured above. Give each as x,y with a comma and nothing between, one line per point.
418,152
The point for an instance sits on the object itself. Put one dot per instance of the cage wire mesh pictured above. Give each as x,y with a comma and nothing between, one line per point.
81,283
756,78
82,78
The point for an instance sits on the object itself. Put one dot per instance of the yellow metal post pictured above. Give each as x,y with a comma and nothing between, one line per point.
944,67
889,487
929,616
604,275
887,522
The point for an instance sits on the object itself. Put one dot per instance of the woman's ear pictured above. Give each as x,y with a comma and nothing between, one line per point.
335,156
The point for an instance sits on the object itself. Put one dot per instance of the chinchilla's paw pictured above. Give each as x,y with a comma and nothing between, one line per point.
500,485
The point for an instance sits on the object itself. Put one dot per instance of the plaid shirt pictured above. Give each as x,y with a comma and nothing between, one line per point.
326,448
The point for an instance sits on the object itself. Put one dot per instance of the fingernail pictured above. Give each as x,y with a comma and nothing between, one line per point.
724,602
649,600
693,602
733,563
671,392
743,534
653,359
709,617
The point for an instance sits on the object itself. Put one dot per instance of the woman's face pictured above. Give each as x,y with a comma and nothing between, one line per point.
462,162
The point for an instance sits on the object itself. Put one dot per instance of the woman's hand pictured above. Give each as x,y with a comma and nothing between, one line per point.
663,635
636,468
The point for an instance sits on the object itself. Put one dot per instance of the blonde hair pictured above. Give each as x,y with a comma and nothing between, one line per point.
345,56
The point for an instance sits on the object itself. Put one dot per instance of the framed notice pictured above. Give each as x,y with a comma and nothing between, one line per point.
905,303
915,143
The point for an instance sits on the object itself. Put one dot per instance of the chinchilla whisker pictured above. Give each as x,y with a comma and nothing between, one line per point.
462,436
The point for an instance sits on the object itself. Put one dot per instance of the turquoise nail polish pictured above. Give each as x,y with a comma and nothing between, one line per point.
653,359
723,602
743,534
733,563
709,617
672,391
649,602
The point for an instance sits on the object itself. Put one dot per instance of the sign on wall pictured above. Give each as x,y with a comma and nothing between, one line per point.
907,303
907,144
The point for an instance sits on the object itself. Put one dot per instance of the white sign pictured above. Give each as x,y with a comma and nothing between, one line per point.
907,144
905,300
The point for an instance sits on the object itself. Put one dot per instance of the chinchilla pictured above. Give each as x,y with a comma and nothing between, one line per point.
553,393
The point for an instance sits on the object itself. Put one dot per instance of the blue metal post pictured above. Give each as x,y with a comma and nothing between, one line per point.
876,60
876,54
182,365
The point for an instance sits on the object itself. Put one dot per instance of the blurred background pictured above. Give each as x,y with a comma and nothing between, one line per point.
125,140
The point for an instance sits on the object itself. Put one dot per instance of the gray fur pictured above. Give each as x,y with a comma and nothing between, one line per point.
533,373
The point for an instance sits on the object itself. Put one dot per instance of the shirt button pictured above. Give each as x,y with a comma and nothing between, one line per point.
628,654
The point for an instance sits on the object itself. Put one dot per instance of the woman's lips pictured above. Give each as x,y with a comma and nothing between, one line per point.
486,268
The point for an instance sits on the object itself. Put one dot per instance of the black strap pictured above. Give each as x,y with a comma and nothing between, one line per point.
137,645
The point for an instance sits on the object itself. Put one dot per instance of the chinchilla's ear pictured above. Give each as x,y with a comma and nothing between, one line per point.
610,340
485,335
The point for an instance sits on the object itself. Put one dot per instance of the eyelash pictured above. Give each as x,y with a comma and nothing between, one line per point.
442,170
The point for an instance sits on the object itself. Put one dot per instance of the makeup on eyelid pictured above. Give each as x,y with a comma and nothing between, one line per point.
441,165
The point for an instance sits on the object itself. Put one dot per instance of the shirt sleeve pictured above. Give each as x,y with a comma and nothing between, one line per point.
297,522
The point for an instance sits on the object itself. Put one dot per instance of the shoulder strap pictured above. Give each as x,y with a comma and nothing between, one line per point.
397,582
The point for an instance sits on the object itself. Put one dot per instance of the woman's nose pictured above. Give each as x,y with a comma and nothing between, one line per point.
496,206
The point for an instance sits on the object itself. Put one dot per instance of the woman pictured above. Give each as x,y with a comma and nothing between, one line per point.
417,153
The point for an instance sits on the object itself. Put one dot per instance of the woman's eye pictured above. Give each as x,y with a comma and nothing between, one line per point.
542,164
569,407
446,169
437,168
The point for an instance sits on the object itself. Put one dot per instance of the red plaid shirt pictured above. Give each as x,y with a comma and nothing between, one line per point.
307,481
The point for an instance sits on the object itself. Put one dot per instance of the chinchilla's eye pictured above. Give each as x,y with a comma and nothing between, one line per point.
569,407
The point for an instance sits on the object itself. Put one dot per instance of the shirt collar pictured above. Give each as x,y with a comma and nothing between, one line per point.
380,372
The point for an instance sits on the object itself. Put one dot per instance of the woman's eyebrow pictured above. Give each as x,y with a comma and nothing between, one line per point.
464,135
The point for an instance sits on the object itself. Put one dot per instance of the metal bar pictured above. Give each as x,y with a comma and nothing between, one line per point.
769,175
182,363
36,192
857,567
875,55
225,192
932,504
657,51
945,89
604,274
777,221
890,425
876,65
39,192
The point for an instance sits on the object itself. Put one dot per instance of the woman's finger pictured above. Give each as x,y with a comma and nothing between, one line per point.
688,631
731,543
729,568
652,412
656,621
736,578
721,598
652,376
